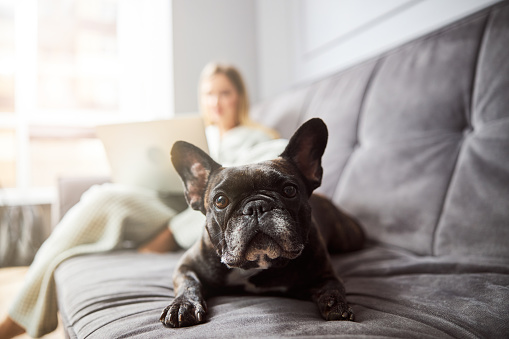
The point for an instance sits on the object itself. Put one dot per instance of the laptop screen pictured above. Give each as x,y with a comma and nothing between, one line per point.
139,152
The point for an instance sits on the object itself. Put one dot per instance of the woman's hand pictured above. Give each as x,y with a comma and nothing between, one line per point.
163,242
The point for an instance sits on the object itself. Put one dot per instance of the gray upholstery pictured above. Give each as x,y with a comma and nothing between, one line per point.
419,153
394,294
419,139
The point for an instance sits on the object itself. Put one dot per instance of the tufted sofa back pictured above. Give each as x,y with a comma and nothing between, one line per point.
419,139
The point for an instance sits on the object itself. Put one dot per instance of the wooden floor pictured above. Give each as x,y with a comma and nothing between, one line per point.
10,282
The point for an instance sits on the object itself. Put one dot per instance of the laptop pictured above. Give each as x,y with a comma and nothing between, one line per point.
139,152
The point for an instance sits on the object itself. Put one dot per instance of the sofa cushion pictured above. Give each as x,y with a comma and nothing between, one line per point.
283,112
475,218
338,101
418,147
393,293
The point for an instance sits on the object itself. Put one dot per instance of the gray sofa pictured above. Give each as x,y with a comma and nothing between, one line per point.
419,153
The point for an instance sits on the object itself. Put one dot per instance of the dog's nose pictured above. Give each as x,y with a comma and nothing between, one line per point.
256,207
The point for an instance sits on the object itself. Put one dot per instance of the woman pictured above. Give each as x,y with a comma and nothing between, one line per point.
233,139
109,216
225,105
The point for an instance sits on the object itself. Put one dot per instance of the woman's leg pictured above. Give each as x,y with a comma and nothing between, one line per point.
9,328
105,217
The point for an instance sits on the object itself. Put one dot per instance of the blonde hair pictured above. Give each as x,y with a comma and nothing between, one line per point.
235,78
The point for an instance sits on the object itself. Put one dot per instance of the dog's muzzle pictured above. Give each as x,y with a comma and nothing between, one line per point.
261,234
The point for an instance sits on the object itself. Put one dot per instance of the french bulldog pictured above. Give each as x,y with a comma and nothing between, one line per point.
265,230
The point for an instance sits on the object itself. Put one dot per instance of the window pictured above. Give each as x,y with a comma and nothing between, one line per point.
7,62
67,66
77,60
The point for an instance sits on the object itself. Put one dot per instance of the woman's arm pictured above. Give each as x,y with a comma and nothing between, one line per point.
163,242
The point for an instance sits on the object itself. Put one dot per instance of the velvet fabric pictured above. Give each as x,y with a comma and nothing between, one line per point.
394,294
418,152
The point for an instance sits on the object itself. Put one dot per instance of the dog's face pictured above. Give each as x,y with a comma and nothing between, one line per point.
258,215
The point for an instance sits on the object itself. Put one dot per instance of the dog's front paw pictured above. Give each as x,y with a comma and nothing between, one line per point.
333,306
183,312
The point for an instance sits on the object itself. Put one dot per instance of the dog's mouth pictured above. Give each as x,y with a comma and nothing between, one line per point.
261,252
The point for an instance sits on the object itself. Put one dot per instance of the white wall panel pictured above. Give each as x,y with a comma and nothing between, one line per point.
324,36
326,23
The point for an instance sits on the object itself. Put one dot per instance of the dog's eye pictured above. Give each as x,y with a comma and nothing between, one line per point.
290,191
222,202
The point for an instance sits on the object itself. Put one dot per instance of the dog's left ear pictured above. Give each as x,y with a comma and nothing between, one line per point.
305,150
194,167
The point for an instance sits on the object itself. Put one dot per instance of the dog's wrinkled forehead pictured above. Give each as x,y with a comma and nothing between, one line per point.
265,175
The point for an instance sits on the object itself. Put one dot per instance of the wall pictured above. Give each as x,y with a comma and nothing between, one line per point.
145,59
310,38
275,46
278,44
205,30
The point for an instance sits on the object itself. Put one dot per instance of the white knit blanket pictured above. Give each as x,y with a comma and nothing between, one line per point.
107,217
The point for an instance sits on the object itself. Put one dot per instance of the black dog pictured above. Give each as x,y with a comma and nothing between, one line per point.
260,231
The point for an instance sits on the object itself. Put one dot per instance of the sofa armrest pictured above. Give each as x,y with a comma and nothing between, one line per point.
70,190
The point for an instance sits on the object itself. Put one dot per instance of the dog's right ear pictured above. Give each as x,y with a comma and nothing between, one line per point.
194,167
305,149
